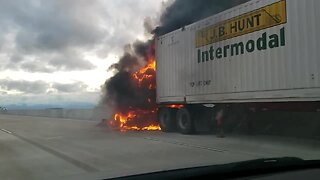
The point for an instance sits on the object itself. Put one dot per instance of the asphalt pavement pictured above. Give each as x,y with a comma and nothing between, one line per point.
49,148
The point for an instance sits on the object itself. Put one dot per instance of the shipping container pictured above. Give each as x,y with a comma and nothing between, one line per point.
275,59
259,52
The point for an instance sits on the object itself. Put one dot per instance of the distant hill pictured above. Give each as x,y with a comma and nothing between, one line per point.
69,105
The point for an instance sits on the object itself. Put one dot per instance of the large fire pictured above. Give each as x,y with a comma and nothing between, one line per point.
140,114
140,119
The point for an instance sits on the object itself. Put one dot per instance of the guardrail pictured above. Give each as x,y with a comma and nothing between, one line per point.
84,114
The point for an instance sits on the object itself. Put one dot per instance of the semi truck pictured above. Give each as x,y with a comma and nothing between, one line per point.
261,55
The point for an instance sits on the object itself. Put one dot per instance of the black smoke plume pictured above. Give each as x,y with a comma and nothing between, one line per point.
185,12
120,91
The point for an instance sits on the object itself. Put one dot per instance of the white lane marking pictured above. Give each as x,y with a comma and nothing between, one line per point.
4,130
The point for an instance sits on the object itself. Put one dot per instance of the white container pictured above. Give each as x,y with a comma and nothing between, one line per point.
280,60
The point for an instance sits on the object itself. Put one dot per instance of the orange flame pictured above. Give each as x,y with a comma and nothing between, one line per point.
142,74
123,121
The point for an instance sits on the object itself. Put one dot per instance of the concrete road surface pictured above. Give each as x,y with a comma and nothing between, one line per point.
47,148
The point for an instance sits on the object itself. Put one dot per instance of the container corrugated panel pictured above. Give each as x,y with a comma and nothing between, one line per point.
277,59
170,83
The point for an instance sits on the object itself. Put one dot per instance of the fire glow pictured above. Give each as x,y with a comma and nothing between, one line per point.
141,114
126,122
144,73
175,106
140,119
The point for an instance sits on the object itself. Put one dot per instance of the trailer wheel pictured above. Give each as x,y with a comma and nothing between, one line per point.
166,117
185,123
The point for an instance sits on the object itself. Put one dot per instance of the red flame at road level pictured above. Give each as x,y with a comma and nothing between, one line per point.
124,122
175,106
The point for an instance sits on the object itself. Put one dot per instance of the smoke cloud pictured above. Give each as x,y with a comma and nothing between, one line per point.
185,12
121,91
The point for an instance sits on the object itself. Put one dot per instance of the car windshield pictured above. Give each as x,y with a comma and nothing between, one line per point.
108,88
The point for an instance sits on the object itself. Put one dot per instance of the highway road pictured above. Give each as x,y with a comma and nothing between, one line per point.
48,148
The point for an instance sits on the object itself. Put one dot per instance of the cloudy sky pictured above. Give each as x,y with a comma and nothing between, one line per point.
58,51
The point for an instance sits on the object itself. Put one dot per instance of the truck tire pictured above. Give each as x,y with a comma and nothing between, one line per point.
166,117
185,122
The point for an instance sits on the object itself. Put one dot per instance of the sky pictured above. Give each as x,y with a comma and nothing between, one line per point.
58,51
